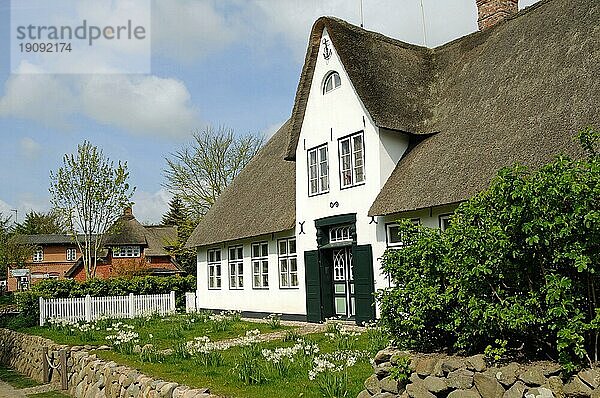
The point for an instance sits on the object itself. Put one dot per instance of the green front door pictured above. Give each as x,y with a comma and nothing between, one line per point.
313,286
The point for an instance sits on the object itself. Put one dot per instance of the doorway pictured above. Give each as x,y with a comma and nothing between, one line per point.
343,283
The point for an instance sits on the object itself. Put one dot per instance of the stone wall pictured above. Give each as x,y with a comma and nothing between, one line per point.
442,376
87,375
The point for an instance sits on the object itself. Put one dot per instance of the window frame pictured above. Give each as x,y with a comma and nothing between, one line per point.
213,264
415,221
319,175
350,138
330,76
136,251
288,258
73,251
445,216
38,255
238,263
262,260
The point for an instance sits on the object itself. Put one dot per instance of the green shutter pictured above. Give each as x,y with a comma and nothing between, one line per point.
364,286
313,286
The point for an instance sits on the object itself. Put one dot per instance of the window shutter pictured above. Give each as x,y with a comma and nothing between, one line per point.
364,286
313,286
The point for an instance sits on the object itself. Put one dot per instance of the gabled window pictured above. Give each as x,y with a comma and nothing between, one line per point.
332,81
318,170
352,160
214,268
260,265
236,267
288,265
38,255
71,253
126,251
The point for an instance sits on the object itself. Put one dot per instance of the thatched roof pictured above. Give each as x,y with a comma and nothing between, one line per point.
260,200
127,231
159,238
391,77
515,93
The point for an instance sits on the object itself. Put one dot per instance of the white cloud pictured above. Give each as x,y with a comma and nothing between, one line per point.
185,30
142,105
5,209
30,147
149,207
40,97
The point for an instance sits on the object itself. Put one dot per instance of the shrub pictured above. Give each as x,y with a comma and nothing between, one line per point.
519,263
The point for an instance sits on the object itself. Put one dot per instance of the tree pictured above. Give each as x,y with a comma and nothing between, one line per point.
198,173
518,267
41,223
90,194
13,250
179,216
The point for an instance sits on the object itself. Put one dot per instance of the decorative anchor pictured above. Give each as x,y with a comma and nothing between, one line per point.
326,50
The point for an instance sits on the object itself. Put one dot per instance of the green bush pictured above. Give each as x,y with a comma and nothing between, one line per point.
519,263
28,301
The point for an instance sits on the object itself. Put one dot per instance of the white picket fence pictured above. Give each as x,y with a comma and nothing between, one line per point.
90,308
191,305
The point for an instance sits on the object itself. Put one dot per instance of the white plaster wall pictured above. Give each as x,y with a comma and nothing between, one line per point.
273,300
329,117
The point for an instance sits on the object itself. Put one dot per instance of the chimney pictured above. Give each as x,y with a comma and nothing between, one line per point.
128,211
490,12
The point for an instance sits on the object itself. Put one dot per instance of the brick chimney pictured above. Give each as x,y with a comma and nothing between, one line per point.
490,12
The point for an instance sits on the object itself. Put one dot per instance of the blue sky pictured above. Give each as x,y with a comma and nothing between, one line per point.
221,62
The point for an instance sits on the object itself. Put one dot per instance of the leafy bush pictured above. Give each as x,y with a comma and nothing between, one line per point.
519,262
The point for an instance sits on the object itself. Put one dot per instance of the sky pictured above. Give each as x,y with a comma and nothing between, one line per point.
233,63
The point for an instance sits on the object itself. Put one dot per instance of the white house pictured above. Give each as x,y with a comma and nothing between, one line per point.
382,130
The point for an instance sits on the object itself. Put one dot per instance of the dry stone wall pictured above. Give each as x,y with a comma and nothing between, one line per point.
87,375
441,376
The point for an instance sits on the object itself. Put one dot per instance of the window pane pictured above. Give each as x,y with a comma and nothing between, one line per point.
283,265
240,252
336,80
255,251
329,84
240,281
284,280
360,175
265,280
256,280
218,267
232,269
265,250
256,267
393,236
294,279
232,281
282,247
218,255
293,265
232,254
218,283
345,145
240,268
211,257
292,246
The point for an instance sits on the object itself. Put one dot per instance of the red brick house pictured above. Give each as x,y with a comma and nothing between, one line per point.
132,249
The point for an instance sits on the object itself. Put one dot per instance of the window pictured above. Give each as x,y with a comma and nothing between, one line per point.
332,81
318,170
236,267
352,160
288,266
38,255
126,251
444,221
339,234
71,253
214,269
393,233
260,265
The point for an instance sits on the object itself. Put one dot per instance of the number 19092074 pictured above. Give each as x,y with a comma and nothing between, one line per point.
45,47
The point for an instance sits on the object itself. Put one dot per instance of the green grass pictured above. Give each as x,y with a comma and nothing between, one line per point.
222,381
16,379
50,394
165,332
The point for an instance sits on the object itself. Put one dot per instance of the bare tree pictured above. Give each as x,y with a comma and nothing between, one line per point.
90,193
198,173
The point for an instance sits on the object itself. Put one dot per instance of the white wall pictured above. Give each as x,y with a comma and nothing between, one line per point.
329,117
273,300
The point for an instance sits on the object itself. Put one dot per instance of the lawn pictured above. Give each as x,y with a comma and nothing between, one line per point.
187,349
16,379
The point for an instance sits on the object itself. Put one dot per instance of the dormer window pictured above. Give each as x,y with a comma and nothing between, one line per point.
332,81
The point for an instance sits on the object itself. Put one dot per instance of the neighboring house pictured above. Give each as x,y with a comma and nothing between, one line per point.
131,249
382,130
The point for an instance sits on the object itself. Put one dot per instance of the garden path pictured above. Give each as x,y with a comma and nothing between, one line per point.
8,391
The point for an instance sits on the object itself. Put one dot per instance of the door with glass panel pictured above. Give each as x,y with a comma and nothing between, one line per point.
343,282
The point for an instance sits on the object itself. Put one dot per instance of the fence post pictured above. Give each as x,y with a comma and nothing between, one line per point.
63,367
45,367
131,306
88,308
172,301
42,312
